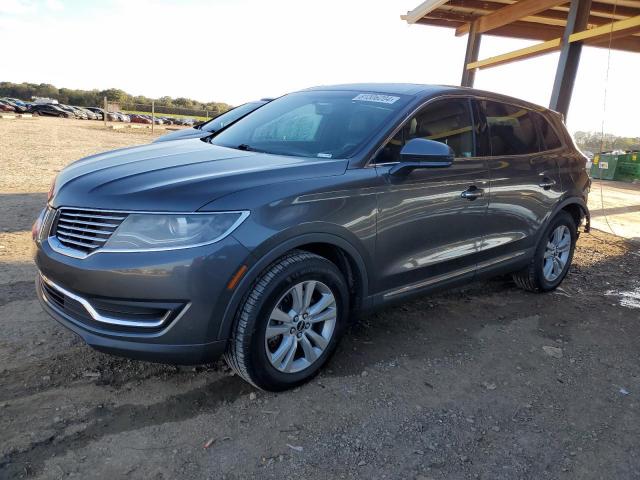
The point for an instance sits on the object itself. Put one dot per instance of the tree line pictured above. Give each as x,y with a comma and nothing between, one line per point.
595,142
94,98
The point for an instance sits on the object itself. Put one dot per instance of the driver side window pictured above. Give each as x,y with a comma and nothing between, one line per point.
448,121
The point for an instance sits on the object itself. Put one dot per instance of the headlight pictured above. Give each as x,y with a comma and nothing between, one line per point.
52,189
150,231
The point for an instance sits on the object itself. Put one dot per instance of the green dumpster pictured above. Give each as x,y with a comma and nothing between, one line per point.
604,166
628,168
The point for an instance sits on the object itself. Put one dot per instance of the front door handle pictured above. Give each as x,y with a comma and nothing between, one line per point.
472,193
547,183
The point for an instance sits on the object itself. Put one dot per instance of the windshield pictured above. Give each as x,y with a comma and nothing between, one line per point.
229,117
324,124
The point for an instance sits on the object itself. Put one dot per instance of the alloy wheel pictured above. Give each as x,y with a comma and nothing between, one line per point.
556,253
300,326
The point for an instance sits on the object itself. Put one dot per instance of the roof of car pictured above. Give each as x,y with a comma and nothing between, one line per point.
420,90
390,88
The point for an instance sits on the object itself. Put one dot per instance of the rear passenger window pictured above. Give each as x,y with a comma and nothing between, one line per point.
511,129
549,139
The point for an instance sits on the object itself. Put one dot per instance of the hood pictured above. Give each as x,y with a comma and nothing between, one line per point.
182,134
182,175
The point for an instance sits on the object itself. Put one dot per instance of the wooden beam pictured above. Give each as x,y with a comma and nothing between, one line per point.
626,44
599,36
510,14
437,22
619,29
527,52
528,31
421,10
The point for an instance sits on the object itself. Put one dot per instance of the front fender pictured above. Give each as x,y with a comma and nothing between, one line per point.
273,249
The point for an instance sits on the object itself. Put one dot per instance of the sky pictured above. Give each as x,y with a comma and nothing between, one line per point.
239,50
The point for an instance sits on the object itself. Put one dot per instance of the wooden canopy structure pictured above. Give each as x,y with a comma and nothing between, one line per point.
558,25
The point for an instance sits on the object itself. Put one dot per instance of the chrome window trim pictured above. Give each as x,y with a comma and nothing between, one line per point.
58,247
94,314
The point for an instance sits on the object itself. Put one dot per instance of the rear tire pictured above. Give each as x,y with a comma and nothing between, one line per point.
552,257
272,347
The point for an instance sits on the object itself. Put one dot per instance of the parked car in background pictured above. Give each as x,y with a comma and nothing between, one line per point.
215,124
18,107
50,110
6,107
122,117
112,117
80,113
17,101
90,115
264,241
76,113
135,118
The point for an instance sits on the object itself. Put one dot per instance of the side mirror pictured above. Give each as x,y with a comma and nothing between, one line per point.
423,153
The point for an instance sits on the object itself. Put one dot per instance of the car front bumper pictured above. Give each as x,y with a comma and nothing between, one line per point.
157,306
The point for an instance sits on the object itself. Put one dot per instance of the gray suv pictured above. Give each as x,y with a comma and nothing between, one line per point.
262,241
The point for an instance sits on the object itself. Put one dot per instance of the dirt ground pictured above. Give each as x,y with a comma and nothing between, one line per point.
485,382
615,208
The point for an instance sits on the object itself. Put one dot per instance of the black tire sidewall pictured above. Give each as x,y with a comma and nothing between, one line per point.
262,372
563,218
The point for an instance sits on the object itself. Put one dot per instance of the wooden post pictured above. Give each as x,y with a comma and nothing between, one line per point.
473,49
153,115
105,111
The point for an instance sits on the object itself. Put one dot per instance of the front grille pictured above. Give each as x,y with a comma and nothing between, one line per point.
86,230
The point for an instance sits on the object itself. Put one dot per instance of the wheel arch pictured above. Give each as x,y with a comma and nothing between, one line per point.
333,247
576,207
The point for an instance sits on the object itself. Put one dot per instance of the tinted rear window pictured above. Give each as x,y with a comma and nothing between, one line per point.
511,129
549,138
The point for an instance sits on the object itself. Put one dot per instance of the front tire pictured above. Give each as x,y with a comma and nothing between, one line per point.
552,257
289,323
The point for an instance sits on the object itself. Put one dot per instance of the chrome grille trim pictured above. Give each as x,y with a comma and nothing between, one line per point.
69,233
97,316
83,222
94,213
85,230
89,230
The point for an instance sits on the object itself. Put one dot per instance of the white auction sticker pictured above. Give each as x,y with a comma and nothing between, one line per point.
373,97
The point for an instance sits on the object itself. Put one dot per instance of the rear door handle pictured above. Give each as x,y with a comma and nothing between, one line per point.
547,183
472,193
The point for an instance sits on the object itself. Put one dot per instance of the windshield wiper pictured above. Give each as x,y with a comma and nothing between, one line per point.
248,148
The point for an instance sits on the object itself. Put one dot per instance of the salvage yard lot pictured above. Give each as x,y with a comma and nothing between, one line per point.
462,384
